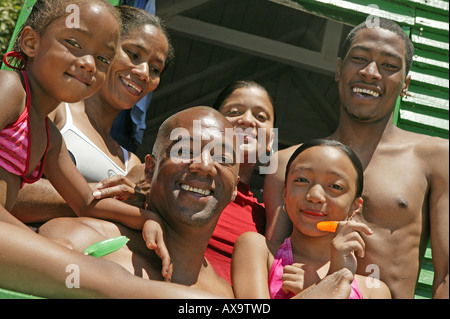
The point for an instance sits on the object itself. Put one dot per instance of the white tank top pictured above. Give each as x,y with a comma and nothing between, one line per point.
92,162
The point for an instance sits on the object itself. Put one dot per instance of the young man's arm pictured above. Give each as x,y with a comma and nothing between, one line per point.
439,216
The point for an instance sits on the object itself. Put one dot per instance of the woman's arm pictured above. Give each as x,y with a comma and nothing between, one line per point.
71,185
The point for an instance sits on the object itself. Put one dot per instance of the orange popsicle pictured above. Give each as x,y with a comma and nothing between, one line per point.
327,226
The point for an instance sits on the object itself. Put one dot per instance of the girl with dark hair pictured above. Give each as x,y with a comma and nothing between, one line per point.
323,184
56,62
249,108
143,53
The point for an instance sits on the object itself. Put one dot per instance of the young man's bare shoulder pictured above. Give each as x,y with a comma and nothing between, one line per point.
425,145
283,157
287,152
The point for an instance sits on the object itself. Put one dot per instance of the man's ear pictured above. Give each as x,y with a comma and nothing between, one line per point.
405,86
235,189
149,169
29,41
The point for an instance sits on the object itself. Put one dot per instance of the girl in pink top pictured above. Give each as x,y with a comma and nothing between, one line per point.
324,182
63,53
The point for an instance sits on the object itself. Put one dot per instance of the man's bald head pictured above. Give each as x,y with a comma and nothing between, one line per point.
185,119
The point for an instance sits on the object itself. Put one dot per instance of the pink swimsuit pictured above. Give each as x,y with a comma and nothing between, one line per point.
15,144
283,258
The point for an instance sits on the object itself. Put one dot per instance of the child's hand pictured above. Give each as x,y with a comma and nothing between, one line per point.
346,243
334,286
154,239
122,188
294,277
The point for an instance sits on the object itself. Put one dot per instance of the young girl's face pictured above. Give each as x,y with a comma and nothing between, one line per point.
320,186
70,61
250,109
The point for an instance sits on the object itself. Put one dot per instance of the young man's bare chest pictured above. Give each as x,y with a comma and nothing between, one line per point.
395,188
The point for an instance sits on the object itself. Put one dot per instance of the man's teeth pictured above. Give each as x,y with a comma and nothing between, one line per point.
366,91
204,192
131,85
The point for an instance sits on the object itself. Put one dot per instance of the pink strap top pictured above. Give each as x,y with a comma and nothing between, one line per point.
15,146
283,258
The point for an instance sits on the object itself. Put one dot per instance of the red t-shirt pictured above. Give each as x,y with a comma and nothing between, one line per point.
243,215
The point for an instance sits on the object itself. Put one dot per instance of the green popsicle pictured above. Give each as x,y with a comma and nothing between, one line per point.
106,247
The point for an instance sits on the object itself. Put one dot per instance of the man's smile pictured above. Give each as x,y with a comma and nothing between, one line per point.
200,191
365,92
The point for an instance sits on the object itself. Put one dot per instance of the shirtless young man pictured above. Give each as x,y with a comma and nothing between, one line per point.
406,174
188,188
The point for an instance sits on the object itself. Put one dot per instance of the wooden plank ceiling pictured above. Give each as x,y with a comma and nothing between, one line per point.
219,41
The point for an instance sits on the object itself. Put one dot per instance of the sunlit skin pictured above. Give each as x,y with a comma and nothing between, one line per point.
189,196
133,73
403,217
62,64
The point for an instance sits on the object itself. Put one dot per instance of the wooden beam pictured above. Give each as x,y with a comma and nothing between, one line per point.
251,44
322,106
331,40
179,7
215,69
205,99
218,68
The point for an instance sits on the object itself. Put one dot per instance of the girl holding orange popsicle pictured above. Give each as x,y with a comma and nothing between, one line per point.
323,187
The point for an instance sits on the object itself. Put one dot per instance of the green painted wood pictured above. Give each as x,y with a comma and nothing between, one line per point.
8,294
424,287
438,6
435,22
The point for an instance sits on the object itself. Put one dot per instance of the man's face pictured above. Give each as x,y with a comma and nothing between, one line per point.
372,75
195,177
